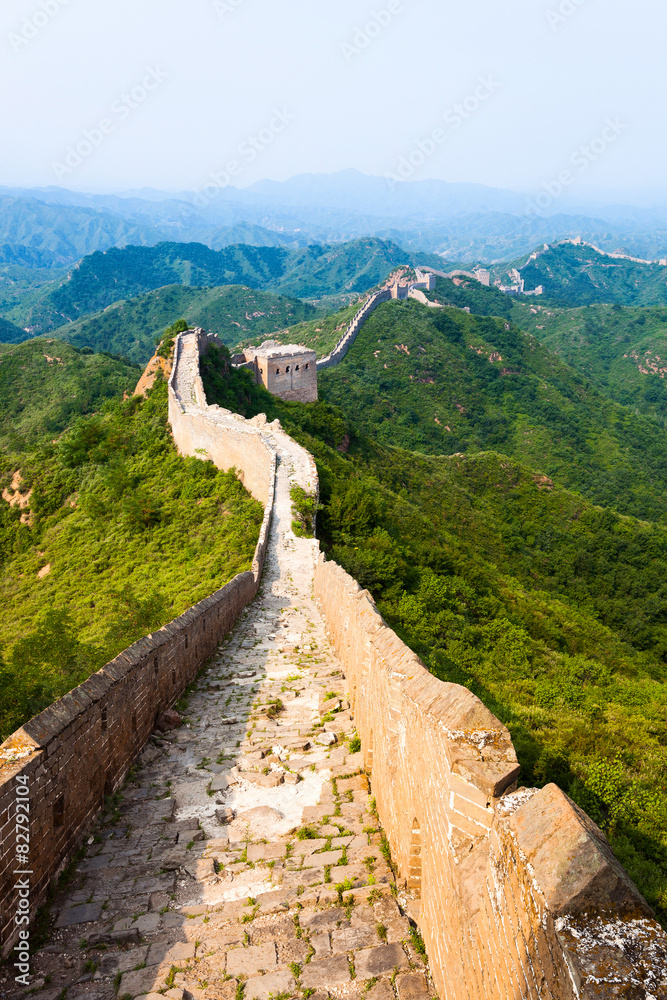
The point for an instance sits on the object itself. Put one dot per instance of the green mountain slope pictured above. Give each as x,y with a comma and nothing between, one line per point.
44,384
442,381
111,533
552,610
467,293
233,312
101,279
624,350
11,334
578,275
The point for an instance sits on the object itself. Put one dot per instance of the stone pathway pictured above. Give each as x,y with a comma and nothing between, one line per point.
243,859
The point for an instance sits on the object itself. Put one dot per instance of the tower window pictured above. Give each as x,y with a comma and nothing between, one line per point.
277,371
306,367
287,369
297,368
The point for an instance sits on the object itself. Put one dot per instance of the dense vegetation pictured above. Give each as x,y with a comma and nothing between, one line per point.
11,334
483,300
552,610
102,279
232,311
579,276
44,384
622,350
103,537
442,381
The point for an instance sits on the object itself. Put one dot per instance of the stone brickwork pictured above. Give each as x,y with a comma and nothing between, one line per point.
516,893
392,290
352,332
80,748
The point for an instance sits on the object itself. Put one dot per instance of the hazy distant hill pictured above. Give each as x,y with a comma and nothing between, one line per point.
462,221
101,279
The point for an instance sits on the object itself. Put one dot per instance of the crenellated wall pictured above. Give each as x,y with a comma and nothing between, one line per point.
516,893
350,335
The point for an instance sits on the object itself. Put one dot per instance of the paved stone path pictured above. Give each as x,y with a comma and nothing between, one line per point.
244,859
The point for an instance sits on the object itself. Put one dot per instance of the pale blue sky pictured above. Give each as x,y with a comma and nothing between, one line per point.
228,70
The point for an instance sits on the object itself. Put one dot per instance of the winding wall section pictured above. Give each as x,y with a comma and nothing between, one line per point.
517,893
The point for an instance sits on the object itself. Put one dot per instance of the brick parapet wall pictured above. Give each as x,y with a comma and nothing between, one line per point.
350,335
81,747
521,895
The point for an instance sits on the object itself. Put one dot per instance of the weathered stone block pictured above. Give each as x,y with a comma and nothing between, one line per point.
82,914
262,987
320,975
162,953
142,981
252,960
412,986
380,961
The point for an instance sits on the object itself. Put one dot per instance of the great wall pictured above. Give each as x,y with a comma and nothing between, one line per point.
196,884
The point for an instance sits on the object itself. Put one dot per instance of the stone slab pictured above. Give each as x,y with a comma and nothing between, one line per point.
326,972
141,982
380,961
252,960
162,953
82,914
412,986
262,987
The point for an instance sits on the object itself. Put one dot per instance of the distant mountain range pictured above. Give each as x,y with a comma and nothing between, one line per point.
101,280
467,222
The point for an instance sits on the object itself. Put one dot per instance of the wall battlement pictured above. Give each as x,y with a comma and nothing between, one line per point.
517,893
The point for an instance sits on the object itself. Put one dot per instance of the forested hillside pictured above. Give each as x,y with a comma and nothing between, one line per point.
105,532
552,610
233,312
44,384
311,272
11,334
623,350
577,275
442,381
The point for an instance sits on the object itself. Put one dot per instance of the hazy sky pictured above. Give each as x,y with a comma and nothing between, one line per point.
320,85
